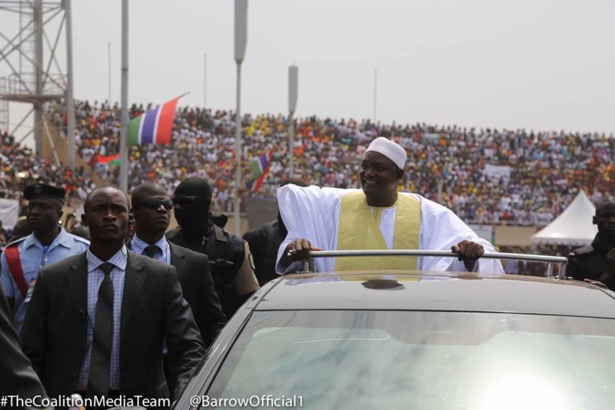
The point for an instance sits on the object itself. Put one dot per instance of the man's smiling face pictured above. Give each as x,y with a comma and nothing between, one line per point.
379,179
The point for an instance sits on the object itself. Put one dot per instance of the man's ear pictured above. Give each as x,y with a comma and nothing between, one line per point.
132,219
84,220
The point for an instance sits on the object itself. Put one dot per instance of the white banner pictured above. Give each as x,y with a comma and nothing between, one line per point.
9,212
497,171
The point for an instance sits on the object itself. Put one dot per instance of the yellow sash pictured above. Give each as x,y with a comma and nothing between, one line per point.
359,229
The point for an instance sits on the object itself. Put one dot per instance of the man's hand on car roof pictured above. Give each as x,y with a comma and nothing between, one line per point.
468,252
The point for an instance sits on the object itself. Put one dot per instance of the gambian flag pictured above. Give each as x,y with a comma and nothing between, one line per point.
108,160
154,126
260,166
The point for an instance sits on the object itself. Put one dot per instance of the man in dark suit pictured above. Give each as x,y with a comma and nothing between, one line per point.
16,374
596,263
97,321
151,208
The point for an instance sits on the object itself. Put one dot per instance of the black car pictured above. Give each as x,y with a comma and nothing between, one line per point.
400,340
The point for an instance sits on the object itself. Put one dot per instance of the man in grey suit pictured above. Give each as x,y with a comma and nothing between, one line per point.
97,321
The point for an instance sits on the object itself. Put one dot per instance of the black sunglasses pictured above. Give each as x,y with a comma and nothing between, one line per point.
185,201
154,203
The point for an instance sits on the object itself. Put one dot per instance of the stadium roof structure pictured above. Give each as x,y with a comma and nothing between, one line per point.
572,227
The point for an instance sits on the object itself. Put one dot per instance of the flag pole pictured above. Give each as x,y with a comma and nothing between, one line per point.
237,199
124,110
293,86
109,71
70,95
205,82
241,38
375,92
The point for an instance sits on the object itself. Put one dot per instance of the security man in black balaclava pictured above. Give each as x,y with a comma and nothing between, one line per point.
596,262
229,255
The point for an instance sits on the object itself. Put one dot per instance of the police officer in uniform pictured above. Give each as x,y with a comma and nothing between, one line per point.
596,262
229,255
47,244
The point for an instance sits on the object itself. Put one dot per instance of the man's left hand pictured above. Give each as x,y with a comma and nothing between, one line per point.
468,252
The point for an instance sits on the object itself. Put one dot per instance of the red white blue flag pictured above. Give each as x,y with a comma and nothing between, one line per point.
153,127
260,166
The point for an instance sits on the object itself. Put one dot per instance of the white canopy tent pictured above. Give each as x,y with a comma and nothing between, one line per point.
572,227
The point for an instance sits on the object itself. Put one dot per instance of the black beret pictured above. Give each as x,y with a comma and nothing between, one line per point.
44,191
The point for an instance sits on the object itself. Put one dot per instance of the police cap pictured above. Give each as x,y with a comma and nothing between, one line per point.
44,191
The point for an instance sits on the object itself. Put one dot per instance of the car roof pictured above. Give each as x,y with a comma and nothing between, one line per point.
429,291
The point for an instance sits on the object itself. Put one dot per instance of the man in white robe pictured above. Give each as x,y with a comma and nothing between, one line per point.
376,217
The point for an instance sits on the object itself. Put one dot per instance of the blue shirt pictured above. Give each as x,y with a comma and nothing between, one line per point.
33,255
95,278
138,246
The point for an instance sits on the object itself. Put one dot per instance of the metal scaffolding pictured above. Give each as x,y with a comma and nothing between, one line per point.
30,70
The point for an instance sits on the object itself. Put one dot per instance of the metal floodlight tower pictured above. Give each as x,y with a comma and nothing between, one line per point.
30,69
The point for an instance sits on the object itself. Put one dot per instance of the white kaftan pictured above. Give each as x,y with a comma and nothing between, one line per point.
312,213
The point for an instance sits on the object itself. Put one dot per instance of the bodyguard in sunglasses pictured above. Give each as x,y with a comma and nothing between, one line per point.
151,209
229,255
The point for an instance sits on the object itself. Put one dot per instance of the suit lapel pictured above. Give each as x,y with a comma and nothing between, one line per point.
133,285
77,278
177,259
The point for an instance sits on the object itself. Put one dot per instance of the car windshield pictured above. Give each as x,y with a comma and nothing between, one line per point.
422,360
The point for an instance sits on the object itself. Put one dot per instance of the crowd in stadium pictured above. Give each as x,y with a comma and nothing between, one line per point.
19,166
446,164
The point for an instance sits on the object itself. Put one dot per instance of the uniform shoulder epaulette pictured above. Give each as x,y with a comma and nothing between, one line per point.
584,250
219,220
222,236
219,233
15,241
